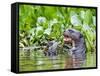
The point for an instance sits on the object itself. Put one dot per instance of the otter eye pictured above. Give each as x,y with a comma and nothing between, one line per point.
64,31
66,36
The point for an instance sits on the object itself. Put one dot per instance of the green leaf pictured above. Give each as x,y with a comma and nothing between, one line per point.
88,17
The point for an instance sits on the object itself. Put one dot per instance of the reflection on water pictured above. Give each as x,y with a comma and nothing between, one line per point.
33,60
74,62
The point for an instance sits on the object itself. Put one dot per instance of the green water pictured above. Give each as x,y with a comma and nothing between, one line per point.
37,61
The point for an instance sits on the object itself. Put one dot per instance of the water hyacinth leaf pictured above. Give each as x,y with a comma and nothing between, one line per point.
82,14
40,33
52,22
75,20
47,31
86,27
45,25
88,17
51,13
32,31
78,28
21,45
94,20
39,28
25,41
41,20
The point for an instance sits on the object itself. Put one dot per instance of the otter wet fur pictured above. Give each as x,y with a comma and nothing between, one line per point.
77,54
51,49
